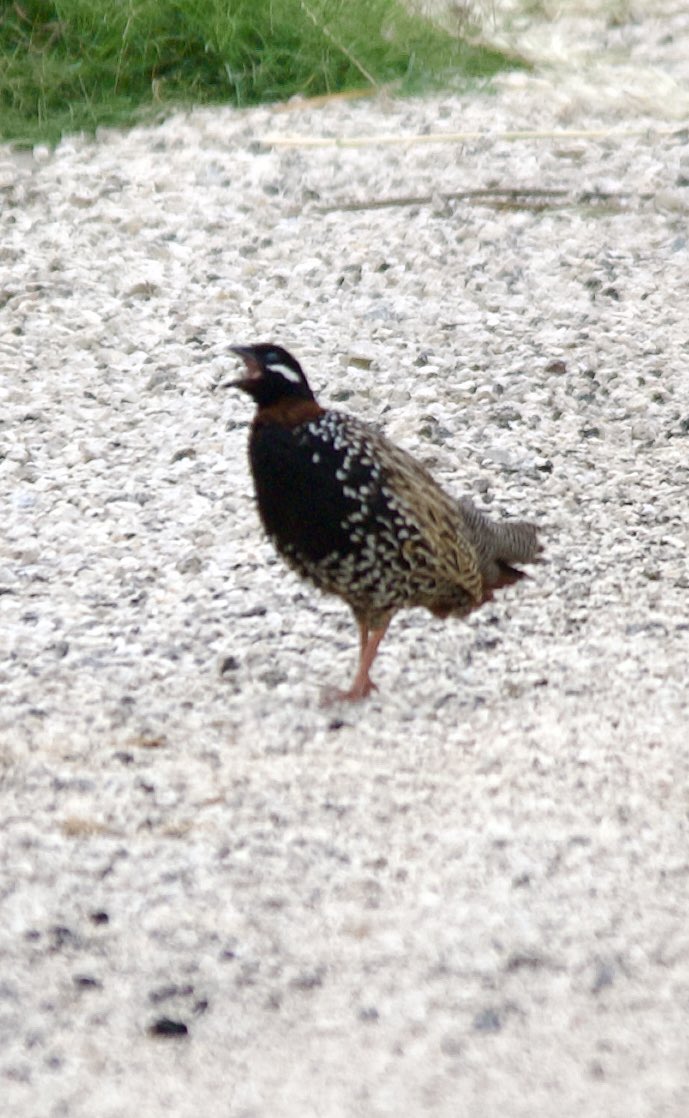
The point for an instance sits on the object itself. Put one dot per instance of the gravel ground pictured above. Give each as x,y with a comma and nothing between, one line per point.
469,895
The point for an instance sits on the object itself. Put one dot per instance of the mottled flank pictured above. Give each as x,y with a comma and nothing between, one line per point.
360,517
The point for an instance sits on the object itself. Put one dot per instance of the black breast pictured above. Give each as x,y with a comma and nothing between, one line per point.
318,485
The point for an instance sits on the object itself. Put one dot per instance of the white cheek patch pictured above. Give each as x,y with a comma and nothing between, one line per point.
286,372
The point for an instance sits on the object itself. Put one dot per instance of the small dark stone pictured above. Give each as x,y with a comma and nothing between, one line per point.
605,976
487,1021
61,936
229,664
183,452
162,993
123,757
556,367
99,918
590,432
524,960
369,1014
166,1027
485,644
338,809
86,982
307,980
336,724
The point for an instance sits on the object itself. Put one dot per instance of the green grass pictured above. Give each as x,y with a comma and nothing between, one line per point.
71,65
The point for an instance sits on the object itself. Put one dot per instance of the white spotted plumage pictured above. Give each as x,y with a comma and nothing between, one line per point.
391,559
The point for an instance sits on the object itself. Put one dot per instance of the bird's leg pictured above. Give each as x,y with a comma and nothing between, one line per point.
369,639
363,685
363,638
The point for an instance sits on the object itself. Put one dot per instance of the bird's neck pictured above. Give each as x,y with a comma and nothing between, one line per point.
288,412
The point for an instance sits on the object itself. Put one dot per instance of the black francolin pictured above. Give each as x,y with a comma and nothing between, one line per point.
360,517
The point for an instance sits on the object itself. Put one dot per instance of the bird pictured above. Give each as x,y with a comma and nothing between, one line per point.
361,518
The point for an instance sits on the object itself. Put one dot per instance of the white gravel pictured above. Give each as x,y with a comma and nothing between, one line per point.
468,896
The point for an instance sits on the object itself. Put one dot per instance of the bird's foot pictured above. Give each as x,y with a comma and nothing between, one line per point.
359,690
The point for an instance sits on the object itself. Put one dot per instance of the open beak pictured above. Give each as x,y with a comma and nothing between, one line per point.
253,369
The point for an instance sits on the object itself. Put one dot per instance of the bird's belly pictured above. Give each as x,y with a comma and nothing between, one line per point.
380,573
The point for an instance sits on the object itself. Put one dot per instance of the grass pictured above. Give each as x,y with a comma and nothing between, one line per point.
72,65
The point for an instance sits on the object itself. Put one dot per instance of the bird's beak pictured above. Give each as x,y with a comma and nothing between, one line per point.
253,369
246,352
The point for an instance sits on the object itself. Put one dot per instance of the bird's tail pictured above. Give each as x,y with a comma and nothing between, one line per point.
500,544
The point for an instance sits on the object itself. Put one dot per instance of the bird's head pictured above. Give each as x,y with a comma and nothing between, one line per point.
272,374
